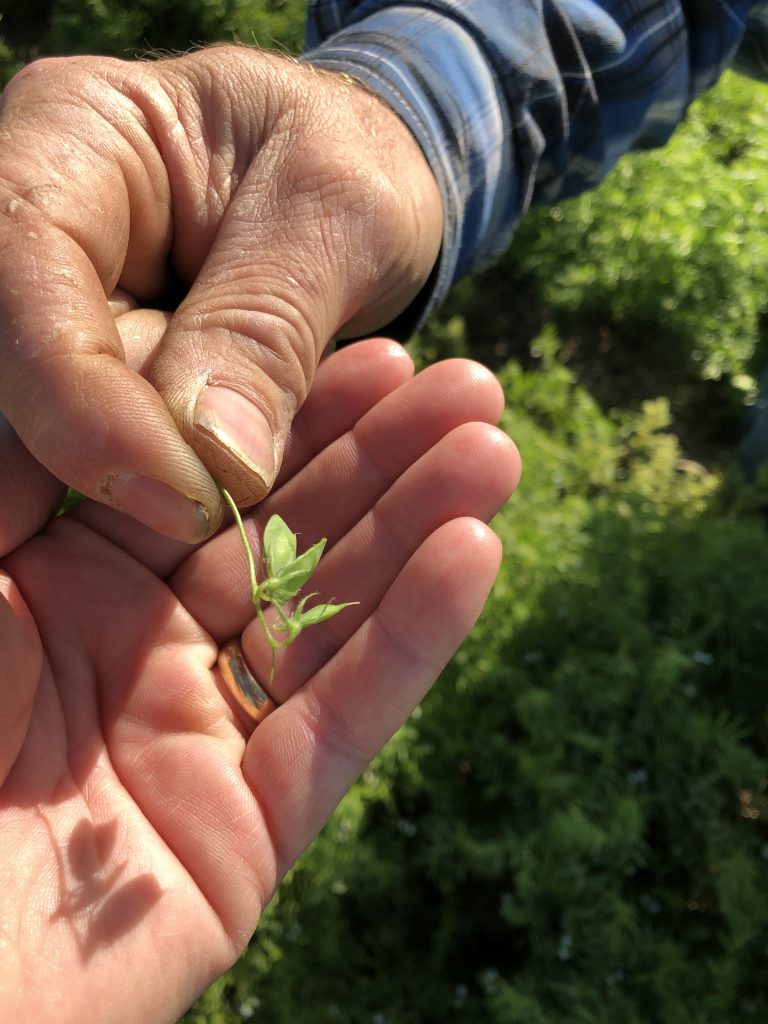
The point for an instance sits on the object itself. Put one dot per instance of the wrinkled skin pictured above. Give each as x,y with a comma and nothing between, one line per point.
141,830
294,207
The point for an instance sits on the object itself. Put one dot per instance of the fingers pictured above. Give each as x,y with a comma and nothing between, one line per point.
343,483
470,472
81,208
31,494
348,479
303,758
348,384
141,332
322,218
20,668
80,411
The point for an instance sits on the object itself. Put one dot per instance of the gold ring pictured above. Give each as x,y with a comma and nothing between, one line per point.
252,701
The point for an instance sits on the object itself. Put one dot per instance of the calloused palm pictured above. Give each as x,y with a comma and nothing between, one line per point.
141,832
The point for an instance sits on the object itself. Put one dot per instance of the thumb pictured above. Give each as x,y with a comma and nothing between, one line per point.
318,241
241,352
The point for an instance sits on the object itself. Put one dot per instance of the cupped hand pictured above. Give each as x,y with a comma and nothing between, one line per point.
293,206
141,829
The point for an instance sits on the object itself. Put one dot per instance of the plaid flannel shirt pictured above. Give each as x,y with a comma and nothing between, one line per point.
529,101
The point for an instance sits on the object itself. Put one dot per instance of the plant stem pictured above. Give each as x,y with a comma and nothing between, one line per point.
273,645
255,597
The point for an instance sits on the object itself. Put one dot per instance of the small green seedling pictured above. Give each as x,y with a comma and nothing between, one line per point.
285,575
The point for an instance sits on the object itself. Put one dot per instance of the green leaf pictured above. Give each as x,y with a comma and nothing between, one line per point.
319,613
279,545
286,583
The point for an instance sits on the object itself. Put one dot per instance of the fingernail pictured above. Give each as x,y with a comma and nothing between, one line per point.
238,426
158,506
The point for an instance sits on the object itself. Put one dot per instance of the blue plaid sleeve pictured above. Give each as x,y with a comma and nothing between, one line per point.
529,101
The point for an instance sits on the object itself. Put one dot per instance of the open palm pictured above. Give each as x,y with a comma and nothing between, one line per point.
141,830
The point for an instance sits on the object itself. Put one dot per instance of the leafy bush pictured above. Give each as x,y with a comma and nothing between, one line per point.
675,242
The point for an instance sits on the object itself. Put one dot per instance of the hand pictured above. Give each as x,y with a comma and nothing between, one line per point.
294,206
141,830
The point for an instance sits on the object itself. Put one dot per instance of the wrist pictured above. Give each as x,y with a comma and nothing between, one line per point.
432,73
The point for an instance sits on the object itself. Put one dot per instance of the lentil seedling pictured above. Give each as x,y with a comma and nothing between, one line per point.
285,574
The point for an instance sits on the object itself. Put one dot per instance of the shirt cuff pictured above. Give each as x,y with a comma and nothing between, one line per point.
432,73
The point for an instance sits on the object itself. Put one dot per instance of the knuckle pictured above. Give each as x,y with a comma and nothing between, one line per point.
30,75
40,75
268,336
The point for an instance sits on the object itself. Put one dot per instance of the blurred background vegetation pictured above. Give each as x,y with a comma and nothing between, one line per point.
572,828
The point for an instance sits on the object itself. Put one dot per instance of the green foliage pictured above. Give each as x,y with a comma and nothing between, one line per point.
675,243
125,28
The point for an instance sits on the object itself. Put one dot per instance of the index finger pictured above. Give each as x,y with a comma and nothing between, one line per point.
78,207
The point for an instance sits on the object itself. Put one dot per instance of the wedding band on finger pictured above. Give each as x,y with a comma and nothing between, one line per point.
251,700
